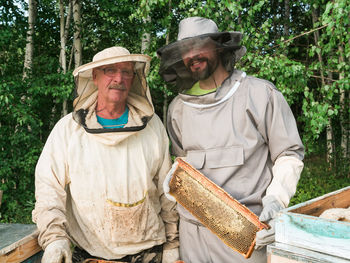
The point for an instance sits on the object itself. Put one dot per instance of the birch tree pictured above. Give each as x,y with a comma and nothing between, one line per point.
329,130
287,17
146,36
77,33
28,59
345,106
64,29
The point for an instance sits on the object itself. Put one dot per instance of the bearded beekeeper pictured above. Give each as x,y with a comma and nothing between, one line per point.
235,129
98,182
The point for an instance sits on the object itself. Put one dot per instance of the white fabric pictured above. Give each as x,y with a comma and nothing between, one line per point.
342,214
265,236
167,181
58,251
170,255
286,173
83,187
271,206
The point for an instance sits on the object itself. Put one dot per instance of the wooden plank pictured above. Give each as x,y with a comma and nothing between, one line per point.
332,237
315,207
13,235
18,242
22,252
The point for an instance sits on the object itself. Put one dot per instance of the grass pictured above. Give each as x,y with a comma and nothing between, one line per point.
318,179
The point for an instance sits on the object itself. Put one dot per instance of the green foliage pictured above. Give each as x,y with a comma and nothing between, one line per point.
26,118
318,179
290,76
330,61
313,75
19,127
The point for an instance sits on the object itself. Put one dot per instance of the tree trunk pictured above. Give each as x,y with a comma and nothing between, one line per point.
64,27
28,59
71,58
329,132
287,17
344,113
77,33
317,38
63,60
146,37
165,94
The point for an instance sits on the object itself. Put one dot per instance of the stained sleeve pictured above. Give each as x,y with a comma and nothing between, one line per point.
168,208
49,213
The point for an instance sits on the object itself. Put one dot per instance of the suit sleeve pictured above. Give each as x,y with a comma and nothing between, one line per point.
174,130
168,208
49,213
285,146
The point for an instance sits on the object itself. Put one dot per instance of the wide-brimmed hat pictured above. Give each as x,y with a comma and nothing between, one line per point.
193,31
110,56
199,26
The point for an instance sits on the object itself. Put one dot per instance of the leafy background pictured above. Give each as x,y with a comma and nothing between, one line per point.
303,47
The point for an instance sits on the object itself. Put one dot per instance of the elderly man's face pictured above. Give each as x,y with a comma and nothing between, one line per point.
201,59
114,82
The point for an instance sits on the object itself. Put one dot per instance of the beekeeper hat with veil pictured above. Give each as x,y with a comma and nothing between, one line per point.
195,33
139,99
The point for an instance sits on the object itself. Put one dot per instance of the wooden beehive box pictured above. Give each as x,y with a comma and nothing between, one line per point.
283,253
19,243
301,226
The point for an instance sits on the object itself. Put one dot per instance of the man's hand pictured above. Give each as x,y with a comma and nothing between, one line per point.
270,209
170,255
58,251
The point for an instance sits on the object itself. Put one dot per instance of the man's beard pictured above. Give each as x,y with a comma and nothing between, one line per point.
207,71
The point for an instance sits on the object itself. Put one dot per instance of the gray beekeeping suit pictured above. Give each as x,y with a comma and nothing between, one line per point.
242,136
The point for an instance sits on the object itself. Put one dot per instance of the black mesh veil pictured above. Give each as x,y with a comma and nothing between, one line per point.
225,46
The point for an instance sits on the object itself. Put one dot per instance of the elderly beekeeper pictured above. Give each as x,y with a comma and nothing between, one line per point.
236,129
98,181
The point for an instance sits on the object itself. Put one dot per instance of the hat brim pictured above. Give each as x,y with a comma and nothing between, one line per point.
228,40
172,67
86,69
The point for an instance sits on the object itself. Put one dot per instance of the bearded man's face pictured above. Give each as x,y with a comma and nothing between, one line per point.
201,60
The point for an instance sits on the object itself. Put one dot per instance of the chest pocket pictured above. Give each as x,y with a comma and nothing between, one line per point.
216,158
132,223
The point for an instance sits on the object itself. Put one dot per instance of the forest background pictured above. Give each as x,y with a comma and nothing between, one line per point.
303,47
